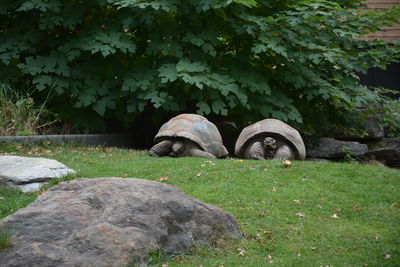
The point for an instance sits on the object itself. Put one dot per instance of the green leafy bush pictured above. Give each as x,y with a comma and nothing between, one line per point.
244,59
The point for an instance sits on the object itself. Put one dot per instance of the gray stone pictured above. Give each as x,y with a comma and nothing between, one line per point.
16,170
32,187
387,150
111,222
330,148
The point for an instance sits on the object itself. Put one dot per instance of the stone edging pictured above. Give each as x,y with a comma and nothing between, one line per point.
118,140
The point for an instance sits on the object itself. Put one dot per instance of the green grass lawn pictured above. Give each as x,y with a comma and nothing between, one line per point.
308,214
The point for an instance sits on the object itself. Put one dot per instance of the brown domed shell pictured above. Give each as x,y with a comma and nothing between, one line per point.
195,128
273,128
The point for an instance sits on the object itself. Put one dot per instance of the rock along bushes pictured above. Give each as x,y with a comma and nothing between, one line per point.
290,60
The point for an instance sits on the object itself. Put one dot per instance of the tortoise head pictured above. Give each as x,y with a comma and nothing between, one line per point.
269,143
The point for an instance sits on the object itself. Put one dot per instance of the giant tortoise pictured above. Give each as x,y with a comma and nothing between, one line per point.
188,135
270,139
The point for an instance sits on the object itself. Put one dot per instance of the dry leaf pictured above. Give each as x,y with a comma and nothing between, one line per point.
357,208
265,169
2,198
199,174
124,175
395,205
287,163
300,214
163,178
337,210
239,160
335,216
297,202
273,189
386,256
262,214
241,252
298,254
165,265
180,260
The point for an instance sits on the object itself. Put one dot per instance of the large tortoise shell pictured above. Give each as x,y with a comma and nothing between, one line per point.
273,128
195,128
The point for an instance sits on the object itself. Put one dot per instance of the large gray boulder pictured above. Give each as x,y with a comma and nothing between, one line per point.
329,148
111,222
387,150
28,173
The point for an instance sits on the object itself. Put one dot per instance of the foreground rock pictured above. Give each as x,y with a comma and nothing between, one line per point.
28,173
330,148
111,222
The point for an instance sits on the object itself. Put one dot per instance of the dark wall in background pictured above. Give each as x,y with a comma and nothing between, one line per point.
389,78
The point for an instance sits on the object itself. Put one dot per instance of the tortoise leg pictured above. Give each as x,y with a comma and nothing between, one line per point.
161,149
255,150
284,152
178,149
196,152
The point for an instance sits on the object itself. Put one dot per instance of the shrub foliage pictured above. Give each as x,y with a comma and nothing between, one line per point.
244,59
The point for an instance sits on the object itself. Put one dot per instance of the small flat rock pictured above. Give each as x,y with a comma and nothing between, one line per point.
32,187
18,170
111,222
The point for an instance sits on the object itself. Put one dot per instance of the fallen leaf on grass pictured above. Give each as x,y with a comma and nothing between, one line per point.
377,236
180,260
2,198
298,254
357,208
287,163
163,178
241,252
273,189
395,205
165,265
337,210
199,174
208,162
262,214
124,175
386,256
300,214
270,258
335,216
265,169
297,202
239,160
